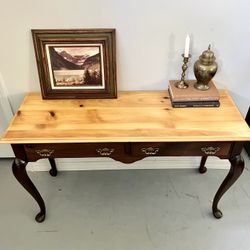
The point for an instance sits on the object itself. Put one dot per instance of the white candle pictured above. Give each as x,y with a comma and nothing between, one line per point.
187,43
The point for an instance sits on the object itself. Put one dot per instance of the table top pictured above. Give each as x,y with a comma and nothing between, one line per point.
143,116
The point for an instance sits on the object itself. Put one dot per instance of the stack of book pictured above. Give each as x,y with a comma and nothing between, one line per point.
192,97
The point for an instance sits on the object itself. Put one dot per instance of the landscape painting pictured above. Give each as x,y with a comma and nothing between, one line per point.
75,66
76,63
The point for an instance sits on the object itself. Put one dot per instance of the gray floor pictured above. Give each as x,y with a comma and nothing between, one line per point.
128,209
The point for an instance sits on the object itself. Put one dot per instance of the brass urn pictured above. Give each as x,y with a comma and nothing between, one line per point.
205,69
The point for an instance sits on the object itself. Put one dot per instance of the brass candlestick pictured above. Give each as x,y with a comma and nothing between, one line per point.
182,84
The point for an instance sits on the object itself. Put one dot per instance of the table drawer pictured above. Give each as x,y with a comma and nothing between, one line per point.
38,151
181,149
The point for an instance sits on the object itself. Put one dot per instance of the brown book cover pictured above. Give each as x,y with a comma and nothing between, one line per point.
196,104
191,93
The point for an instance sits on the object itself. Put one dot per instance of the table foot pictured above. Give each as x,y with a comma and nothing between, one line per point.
236,169
53,170
19,171
202,168
40,217
217,214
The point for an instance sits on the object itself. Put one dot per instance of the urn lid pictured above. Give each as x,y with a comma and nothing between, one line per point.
207,56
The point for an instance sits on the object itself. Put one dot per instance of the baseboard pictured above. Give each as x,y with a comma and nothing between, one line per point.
76,164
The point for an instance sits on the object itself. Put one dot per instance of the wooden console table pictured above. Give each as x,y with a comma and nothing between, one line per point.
127,129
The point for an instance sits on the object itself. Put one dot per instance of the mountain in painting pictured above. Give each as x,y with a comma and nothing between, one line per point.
68,57
92,63
59,63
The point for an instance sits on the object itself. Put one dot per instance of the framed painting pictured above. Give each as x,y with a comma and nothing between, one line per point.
76,63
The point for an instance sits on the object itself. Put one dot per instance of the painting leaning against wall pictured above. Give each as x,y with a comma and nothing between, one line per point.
76,63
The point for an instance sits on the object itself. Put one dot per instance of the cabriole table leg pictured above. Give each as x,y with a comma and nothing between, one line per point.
202,168
53,170
19,171
236,169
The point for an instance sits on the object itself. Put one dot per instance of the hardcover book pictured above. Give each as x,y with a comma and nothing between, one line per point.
191,93
195,104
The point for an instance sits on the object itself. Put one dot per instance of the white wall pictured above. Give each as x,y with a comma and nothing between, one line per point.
6,114
150,39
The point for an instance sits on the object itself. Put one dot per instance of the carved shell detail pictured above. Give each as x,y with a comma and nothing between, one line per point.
45,152
210,150
150,150
105,151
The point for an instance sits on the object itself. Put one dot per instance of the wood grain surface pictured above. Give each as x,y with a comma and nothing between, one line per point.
133,117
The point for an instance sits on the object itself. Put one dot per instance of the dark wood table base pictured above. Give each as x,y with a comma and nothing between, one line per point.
25,154
53,170
236,169
19,171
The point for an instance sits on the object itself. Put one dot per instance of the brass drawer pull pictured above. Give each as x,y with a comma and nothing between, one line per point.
210,150
150,150
45,152
105,151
